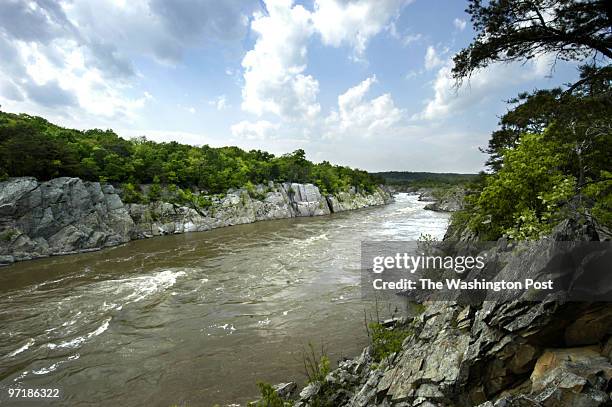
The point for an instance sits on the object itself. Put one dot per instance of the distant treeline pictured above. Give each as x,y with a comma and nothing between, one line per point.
31,146
426,179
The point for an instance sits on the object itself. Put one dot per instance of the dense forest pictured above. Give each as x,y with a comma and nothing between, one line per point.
551,157
426,179
31,146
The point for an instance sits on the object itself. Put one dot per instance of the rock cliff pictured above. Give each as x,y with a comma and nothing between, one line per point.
69,215
494,354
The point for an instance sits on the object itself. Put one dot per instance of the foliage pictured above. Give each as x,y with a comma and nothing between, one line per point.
31,146
524,198
8,235
269,397
600,193
155,190
580,117
426,179
522,30
385,341
316,366
533,175
130,193
551,155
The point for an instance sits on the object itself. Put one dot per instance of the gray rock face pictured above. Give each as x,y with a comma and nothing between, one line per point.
351,200
519,353
68,215
463,356
60,216
450,200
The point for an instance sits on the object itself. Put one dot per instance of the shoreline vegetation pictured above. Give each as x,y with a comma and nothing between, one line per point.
65,191
30,146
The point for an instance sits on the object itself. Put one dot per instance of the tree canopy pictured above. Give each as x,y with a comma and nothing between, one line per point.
551,155
31,146
518,30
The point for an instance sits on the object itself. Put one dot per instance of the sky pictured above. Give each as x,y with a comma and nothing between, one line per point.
364,83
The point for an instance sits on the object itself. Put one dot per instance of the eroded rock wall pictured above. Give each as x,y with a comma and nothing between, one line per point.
69,215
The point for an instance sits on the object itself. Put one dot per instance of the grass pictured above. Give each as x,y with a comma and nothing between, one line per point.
386,341
316,366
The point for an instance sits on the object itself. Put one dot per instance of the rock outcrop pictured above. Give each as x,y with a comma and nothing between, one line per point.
493,354
68,215
61,216
448,200
347,201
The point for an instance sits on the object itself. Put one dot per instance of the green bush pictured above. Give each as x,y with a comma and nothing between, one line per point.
155,191
385,341
523,200
316,366
600,192
269,397
130,193
8,235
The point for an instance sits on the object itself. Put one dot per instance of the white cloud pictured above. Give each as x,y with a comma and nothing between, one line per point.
411,38
413,74
353,22
220,103
406,39
357,116
460,24
162,29
56,76
111,31
74,59
259,130
432,59
448,99
274,80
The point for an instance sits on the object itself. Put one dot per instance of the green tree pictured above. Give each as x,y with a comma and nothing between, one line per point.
524,29
525,198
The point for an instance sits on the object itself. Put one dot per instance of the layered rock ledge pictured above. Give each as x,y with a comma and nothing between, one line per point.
69,215
494,354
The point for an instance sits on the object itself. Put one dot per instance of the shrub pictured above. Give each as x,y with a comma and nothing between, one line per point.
385,341
269,397
130,194
524,199
316,366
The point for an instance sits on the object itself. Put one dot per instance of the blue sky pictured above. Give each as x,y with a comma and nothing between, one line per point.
355,82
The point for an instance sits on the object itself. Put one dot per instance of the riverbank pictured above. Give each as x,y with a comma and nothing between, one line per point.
196,319
441,198
68,215
550,353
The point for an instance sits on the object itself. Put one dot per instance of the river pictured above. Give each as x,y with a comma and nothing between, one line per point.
198,318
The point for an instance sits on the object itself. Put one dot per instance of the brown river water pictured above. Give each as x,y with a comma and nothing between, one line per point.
194,319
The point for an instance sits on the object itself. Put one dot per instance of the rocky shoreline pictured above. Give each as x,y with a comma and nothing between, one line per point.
494,354
68,215
443,200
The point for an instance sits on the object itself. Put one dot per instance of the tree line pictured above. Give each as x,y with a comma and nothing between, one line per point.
31,146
